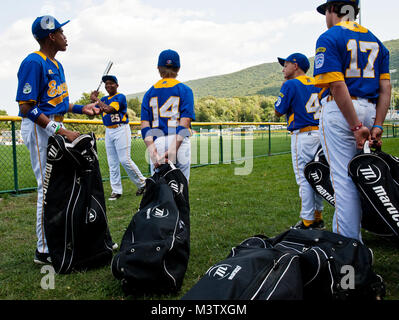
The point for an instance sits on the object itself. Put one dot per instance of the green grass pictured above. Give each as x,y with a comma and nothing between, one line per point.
225,209
259,146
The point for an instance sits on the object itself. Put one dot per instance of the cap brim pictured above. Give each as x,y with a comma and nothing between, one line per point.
322,9
63,24
105,78
281,61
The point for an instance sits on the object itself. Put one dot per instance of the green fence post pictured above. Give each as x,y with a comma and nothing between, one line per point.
221,145
14,156
270,139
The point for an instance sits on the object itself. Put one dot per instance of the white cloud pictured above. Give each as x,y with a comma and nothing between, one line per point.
131,34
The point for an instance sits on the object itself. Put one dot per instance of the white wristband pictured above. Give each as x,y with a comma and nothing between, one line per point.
52,127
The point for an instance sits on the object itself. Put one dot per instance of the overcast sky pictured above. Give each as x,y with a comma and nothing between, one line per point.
213,37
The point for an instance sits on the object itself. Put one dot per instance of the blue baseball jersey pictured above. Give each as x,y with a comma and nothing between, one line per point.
166,103
299,101
351,53
41,81
119,103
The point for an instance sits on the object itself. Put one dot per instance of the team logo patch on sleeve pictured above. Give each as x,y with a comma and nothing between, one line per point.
27,88
319,60
278,102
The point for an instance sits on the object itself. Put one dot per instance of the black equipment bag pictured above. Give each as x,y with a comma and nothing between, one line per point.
155,247
75,219
296,264
253,270
317,173
333,267
376,176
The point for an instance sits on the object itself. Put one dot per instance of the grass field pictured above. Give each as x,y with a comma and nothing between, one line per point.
225,209
205,150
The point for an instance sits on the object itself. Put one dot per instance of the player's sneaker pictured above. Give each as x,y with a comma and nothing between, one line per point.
140,191
114,196
42,258
319,225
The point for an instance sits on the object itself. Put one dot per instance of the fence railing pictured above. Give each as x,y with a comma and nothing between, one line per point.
211,143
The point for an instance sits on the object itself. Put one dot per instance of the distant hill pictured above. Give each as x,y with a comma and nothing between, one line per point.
264,79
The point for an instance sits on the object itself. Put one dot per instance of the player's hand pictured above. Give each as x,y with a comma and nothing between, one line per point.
91,109
94,96
156,159
361,136
376,137
70,135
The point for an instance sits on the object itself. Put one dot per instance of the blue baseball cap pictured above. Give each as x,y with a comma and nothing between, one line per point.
45,25
111,78
322,8
169,58
298,58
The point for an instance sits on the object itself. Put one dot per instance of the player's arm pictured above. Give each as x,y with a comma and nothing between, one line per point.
282,105
382,107
183,131
149,142
89,109
103,106
33,113
340,92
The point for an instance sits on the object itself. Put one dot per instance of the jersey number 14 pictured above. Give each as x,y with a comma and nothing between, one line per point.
169,110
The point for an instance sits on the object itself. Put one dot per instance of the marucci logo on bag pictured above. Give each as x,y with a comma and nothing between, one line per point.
371,174
157,212
92,215
383,196
316,176
223,271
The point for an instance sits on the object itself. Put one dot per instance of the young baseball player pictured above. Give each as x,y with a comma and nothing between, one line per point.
166,114
118,138
298,100
352,65
43,100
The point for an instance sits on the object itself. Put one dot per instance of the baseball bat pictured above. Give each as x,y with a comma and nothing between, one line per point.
105,73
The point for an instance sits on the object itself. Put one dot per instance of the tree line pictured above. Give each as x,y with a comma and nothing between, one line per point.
257,108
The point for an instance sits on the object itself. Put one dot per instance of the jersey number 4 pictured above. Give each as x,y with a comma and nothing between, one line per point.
354,71
313,106
169,110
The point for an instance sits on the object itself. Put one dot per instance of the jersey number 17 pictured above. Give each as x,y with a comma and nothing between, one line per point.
354,71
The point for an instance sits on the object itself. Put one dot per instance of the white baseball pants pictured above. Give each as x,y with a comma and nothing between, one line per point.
304,146
339,146
36,139
118,145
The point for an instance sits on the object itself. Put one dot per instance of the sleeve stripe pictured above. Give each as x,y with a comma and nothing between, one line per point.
385,76
324,80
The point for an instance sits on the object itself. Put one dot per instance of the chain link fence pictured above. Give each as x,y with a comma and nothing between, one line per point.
211,143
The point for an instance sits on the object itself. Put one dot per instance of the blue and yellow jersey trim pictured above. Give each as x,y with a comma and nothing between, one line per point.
305,80
291,119
44,57
352,26
323,80
166,83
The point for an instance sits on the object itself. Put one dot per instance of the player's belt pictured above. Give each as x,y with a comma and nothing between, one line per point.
309,128
58,118
331,98
115,126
